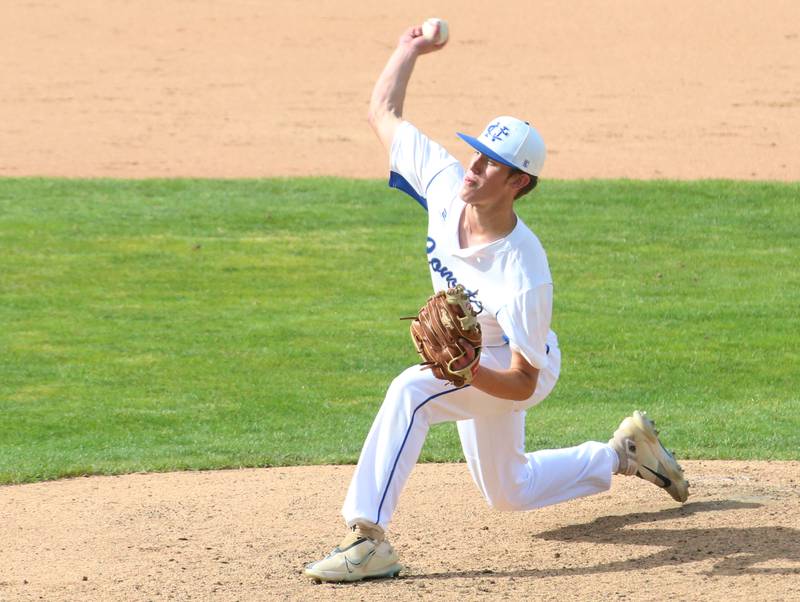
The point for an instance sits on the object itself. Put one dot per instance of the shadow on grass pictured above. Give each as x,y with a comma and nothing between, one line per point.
737,550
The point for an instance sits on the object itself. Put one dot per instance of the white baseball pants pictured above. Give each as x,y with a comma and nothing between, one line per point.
492,433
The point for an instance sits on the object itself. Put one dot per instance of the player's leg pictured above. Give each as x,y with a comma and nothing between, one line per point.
510,479
415,400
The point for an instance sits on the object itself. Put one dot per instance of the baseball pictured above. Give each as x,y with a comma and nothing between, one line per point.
429,30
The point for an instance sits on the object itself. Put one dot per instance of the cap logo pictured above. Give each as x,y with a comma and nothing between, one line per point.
525,163
497,132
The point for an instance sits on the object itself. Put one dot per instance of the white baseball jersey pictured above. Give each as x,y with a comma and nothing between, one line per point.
508,280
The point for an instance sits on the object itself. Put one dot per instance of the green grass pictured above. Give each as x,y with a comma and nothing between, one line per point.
159,325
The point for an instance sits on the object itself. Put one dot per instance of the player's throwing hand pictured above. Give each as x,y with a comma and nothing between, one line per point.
413,38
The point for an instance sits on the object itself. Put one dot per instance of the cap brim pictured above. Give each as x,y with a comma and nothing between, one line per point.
483,149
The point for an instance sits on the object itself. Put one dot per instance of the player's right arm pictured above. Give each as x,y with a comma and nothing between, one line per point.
389,93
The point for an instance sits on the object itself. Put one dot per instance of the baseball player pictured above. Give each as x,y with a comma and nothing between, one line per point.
475,239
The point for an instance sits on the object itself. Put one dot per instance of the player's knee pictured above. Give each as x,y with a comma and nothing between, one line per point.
505,503
409,383
506,500
398,390
403,393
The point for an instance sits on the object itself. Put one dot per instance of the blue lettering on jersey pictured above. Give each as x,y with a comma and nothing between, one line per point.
447,274
443,271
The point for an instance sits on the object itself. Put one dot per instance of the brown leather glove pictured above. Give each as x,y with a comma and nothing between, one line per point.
444,333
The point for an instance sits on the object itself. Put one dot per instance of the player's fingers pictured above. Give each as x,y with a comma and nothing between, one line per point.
413,37
410,34
469,351
469,354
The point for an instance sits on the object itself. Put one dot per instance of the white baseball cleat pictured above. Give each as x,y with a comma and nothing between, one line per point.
641,453
356,557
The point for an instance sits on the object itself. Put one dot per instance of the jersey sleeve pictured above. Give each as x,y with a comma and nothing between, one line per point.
417,161
525,320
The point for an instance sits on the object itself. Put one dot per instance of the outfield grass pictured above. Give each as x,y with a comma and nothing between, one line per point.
159,325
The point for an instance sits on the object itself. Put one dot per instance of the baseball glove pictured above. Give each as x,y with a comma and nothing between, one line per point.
439,331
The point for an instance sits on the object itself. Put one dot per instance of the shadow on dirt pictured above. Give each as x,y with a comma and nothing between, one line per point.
738,550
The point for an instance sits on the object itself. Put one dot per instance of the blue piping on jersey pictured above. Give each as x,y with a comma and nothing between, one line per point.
403,444
399,182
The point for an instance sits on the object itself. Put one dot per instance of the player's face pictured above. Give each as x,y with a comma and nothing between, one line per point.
485,180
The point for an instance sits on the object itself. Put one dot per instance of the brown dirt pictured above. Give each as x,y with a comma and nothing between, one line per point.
678,89
675,89
245,535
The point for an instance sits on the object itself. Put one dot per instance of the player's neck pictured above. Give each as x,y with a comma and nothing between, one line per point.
481,224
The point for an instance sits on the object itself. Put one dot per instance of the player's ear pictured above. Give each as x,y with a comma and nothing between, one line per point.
520,180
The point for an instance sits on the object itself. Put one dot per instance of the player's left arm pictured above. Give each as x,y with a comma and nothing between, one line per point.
518,382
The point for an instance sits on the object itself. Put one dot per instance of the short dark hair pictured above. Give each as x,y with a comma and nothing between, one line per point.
534,180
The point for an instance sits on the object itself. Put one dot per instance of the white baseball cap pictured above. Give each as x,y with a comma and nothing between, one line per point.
512,142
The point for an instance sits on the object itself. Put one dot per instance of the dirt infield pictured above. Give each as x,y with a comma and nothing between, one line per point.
245,535
623,88
678,89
